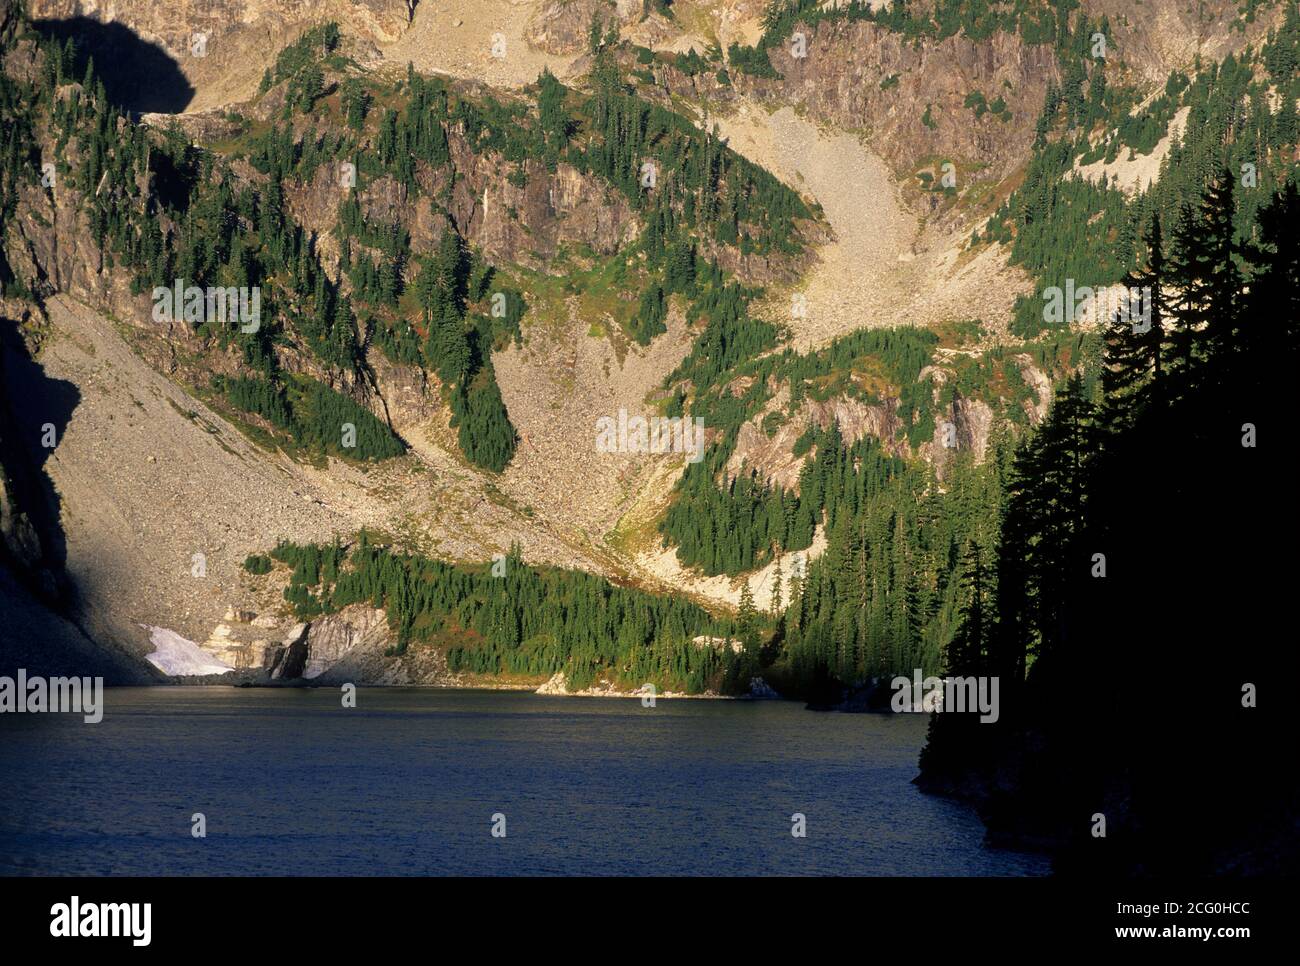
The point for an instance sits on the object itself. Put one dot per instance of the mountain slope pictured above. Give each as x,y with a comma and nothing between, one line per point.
674,299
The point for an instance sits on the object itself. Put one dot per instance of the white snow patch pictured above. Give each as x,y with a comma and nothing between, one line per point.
174,654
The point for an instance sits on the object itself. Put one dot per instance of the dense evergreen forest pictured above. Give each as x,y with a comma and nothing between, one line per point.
505,617
883,596
1132,548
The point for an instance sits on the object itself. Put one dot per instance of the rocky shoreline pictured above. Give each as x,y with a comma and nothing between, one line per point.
555,686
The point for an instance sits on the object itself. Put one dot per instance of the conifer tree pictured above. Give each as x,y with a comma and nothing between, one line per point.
1133,340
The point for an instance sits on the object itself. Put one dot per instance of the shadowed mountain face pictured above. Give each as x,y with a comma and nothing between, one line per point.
138,76
38,408
38,603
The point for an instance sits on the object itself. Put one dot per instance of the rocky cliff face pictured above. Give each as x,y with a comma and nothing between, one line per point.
356,645
844,81
561,26
331,639
510,224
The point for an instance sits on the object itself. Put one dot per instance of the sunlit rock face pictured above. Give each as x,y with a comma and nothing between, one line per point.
186,55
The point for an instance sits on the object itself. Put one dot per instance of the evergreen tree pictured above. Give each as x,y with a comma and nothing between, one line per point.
1134,338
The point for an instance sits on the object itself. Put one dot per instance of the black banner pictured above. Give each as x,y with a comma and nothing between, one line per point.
904,916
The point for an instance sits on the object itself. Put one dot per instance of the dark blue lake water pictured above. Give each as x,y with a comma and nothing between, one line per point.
292,783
